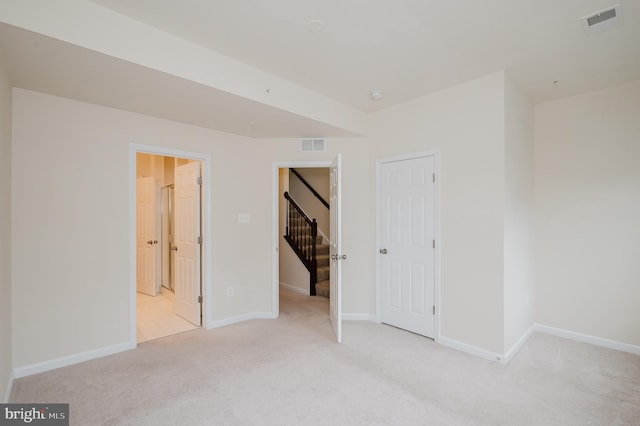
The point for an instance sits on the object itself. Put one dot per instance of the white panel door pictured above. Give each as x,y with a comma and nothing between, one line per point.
145,235
407,251
187,231
335,249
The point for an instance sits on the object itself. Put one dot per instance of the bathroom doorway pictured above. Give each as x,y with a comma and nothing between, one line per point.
168,245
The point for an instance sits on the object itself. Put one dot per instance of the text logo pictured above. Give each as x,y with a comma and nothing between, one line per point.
34,414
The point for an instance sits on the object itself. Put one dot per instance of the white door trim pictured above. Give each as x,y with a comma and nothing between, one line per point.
275,224
436,157
207,284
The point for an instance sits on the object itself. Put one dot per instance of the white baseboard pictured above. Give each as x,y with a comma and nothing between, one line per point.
7,393
64,361
470,349
358,317
295,289
241,318
585,338
508,356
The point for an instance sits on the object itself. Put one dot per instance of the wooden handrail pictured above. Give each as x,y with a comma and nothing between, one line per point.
308,185
302,235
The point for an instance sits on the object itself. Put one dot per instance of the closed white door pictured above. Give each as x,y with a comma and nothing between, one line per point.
407,244
186,242
335,249
146,238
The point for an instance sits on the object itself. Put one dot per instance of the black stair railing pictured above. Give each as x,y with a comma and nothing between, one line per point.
302,235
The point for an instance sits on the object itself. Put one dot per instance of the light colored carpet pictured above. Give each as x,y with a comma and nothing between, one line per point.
290,372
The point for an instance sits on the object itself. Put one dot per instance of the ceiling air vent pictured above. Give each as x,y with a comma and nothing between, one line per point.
309,145
603,20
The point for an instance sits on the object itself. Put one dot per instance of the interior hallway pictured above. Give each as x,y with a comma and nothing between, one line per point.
290,371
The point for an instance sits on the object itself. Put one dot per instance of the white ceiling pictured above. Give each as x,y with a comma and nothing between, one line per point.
46,65
408,48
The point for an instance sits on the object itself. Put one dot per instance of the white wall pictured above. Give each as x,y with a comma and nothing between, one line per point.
587,195
5,231
318,178
518,216
466,123
71,210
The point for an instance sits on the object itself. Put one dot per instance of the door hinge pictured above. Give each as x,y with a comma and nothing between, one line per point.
199,299
199,181
434,177
434,309
199,240
434,243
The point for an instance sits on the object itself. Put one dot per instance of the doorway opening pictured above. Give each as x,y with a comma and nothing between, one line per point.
304,229
290,271
168,284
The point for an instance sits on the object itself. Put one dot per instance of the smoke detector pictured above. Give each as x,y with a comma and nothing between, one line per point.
376,95
602,20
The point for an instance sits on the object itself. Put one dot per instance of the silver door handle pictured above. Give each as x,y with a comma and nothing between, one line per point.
383,251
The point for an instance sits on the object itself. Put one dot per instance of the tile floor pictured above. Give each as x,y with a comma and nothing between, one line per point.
157,318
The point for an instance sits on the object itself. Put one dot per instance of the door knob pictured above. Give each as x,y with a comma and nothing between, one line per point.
174,248
150,242
343,257
334,257
155,241
383,251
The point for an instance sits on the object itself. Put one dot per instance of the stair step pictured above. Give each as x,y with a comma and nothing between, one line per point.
323,259
323,288
323,272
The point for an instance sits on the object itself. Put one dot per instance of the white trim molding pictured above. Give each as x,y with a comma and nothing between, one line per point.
585,338
508,356
241,318
207,253
503,359
295,289
64,361
469,349
7,392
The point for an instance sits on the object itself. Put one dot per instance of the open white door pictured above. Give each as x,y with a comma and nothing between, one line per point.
186,242
335,250
146,240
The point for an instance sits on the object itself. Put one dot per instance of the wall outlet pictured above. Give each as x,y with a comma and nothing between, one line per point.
229,291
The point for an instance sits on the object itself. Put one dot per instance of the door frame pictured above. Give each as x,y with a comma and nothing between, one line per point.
206,283
436,157
275,224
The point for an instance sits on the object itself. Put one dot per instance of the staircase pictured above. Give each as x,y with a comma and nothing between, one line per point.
321,285
302,236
